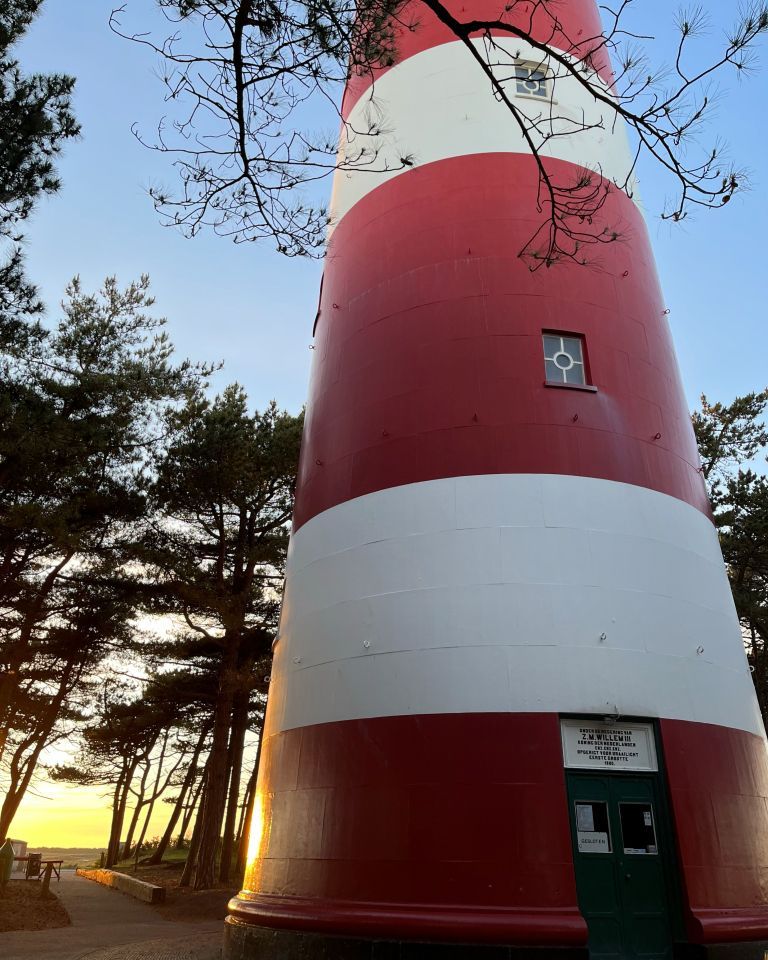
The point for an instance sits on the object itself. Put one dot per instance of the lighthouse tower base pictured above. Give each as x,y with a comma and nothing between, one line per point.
244,941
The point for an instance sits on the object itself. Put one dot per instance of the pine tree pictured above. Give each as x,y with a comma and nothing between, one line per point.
36,120
733,440
82,407
213,556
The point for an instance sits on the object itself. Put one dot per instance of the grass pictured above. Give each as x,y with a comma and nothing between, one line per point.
178,857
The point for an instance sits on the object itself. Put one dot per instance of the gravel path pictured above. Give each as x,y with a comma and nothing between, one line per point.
108,925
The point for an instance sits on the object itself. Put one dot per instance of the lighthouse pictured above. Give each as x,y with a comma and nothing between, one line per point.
510,712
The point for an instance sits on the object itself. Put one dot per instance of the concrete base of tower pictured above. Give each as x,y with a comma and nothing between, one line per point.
244,941
724,951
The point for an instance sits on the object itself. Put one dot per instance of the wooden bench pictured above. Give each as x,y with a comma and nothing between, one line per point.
36,867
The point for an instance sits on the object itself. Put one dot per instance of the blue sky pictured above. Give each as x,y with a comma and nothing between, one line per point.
254,309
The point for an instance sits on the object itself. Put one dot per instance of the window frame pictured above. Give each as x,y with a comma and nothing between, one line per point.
548,79
594,853
635,851
588,385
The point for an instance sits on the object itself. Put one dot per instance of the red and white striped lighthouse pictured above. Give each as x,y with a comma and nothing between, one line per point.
509,678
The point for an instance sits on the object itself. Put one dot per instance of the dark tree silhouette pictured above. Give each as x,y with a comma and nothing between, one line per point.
36,120
128,744
81,411
733,442
213,556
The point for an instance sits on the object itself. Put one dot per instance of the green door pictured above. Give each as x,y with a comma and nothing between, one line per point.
622,867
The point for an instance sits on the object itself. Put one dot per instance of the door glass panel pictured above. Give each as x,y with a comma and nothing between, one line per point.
638,828
592,829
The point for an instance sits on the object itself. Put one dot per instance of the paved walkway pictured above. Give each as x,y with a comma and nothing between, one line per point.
108,925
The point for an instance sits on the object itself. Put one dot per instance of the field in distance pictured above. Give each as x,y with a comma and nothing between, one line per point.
72,856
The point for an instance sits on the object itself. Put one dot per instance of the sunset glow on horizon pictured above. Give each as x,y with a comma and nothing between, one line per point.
58,815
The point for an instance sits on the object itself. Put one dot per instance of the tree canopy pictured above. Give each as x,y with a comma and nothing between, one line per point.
36,120
733,442
81,413
213,555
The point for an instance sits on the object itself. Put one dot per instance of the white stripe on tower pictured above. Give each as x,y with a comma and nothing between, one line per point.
510,593
439,104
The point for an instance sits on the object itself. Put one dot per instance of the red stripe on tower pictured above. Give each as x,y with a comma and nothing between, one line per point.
478,552
572,27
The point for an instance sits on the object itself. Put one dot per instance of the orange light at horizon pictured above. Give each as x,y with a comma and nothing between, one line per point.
66,817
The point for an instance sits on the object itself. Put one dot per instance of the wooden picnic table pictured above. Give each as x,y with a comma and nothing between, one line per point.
55,866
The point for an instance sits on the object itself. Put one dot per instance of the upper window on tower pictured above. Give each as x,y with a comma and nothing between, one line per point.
532,80
564,359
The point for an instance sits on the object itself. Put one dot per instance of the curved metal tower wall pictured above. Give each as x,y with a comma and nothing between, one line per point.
476,553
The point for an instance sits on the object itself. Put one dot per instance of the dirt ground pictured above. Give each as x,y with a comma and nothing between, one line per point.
21,908
184,903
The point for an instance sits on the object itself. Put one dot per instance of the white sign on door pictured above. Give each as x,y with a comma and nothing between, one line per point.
596,745
594,843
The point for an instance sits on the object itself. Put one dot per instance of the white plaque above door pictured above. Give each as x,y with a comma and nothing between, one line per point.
600,745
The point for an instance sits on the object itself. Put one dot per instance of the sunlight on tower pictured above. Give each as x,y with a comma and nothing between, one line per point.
257,842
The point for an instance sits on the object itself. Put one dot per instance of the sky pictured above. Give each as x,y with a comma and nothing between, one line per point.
253,309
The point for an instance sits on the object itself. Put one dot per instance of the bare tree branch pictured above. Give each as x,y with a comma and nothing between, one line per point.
246,76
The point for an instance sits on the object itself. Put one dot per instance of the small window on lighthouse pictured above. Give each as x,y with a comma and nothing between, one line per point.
531,80
564,359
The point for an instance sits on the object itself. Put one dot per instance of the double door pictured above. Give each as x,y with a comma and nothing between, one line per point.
623,865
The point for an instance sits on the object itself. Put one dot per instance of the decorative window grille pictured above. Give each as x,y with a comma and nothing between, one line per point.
532,80
564,359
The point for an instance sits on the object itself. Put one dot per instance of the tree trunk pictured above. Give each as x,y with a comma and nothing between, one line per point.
147,816
188,814
136,812
215,792
113,826
145,824
118,818
159,852
156,791
235,762
25,757
194,844
189,779
20,777
9,680
124,852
